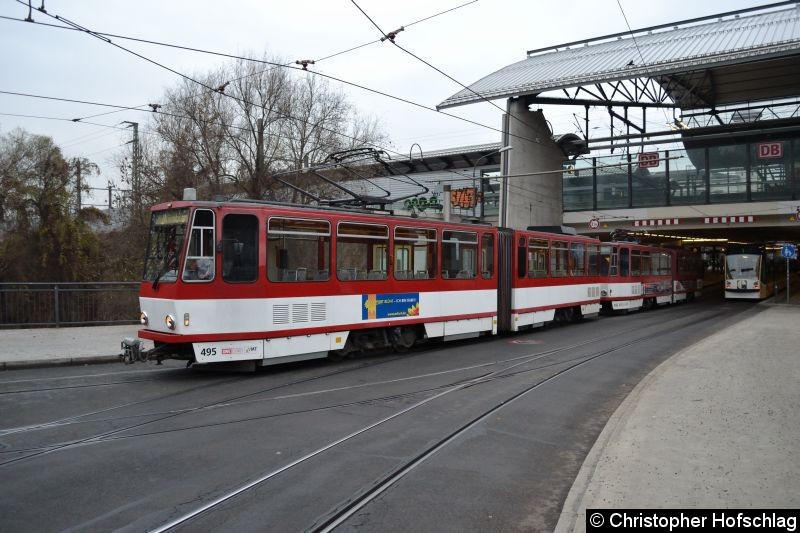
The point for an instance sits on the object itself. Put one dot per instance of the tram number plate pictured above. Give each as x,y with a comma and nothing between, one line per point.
208,352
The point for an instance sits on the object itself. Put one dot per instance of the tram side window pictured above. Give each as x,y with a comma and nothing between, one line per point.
636,263
298,249
414,253
577,259
199,263
559,259
608,261
624,262
593,254
647,265
487,256
362,251
239,248
459,254
664,264
538,257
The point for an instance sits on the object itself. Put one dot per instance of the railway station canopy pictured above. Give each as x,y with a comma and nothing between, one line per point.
726,162
735,57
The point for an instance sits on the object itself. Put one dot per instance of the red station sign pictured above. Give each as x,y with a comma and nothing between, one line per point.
648,160
771,150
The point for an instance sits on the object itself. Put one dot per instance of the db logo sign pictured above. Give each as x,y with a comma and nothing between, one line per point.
772,150
594,223
648,160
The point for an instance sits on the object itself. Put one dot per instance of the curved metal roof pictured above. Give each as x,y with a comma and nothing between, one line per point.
724,43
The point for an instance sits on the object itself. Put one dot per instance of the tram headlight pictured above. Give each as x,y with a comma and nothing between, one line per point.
186,319
169,320
756,285
143,320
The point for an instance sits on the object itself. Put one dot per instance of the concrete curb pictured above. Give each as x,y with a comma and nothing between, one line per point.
67,361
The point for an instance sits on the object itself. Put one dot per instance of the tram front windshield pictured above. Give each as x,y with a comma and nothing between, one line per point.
167,231
744,266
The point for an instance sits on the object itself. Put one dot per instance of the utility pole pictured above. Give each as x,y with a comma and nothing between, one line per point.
78,182
136,191
259,158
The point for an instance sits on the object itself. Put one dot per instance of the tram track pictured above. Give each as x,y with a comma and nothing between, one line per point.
238,401
167,415
104,437
70,387
366,401
339,515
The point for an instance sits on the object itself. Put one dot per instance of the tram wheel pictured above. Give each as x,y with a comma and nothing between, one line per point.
404,339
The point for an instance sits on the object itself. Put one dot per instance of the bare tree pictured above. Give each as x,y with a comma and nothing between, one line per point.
257,110
248,123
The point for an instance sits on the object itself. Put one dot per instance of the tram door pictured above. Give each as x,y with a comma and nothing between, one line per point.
505,245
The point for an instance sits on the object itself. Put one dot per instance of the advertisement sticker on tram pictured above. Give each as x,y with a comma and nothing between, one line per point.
374,306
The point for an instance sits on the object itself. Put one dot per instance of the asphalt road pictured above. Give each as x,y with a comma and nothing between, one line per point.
471,436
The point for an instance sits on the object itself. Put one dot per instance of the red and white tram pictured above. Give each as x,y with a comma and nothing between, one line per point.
687,272
269,283
556,277
635,276
255,281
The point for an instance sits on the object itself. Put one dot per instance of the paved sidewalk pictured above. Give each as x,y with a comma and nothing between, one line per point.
26,348
714,426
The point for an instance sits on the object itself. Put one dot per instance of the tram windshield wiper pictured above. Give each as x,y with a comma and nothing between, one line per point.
747,269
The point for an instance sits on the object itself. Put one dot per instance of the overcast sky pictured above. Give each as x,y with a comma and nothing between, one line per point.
467,43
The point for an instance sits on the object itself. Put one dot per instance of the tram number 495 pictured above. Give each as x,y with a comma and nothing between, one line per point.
208,351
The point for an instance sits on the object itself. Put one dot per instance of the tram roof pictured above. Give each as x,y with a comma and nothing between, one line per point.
740,56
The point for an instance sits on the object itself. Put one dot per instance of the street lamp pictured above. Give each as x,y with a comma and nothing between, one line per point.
475,166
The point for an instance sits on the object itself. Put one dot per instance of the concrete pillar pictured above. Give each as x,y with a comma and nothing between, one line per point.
529,200
446,205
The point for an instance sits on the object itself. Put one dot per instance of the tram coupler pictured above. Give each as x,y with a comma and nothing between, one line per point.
132,351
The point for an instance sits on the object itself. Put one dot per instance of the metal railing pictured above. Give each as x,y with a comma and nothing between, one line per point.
68,304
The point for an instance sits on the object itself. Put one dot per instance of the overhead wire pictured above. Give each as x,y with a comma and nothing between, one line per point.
92,137
88,102
232,126
391,38
198,82
106,37
62,119
188,78
77,27
638,49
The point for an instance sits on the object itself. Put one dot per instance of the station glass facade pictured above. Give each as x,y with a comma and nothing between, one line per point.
743,172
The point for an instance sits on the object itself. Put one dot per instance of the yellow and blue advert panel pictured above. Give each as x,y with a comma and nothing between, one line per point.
375,306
